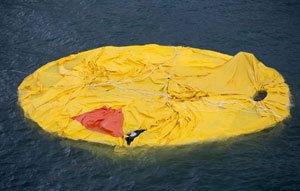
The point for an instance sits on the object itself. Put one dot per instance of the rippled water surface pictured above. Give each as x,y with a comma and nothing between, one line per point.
34,32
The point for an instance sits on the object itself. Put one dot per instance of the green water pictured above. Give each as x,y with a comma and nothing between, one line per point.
34,32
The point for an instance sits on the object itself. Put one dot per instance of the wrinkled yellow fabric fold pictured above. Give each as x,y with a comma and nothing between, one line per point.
180,95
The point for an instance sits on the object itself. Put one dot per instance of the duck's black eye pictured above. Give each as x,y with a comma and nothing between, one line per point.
133,135
260,95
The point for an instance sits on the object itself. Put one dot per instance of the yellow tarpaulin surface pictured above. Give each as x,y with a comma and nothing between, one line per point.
179,95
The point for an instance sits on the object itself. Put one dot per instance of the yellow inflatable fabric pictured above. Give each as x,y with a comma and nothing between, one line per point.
177,95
